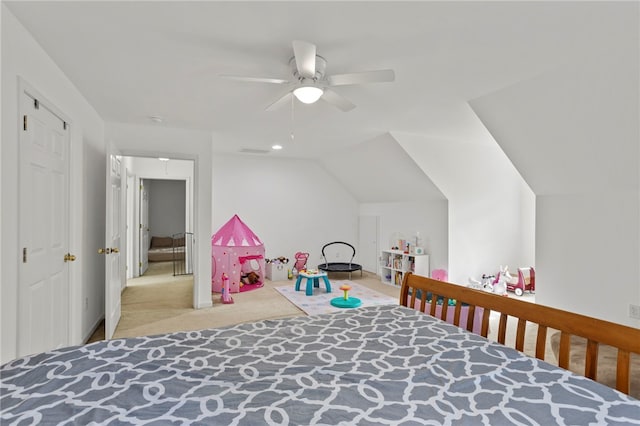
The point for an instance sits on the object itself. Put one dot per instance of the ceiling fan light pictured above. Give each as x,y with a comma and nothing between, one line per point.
308,94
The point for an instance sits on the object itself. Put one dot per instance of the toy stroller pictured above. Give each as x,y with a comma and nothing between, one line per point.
526,280
301,261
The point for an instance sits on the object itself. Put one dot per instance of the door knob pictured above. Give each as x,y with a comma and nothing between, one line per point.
115,250
69,257
104,251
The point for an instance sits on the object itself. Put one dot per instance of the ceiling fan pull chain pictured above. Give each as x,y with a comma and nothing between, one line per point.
292,118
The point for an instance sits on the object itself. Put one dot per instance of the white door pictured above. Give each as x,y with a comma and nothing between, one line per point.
131,226
115,272
144,227
368,243
43,295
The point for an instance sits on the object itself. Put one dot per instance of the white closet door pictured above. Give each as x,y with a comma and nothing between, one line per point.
368,251
43,299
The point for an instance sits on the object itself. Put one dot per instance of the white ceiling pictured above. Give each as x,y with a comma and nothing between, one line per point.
136,59
133,60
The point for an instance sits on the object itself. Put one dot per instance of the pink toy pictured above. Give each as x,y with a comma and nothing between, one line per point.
236,251
439,274
226,295
301,261
525,281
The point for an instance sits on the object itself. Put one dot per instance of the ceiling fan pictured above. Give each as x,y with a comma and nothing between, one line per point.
309,82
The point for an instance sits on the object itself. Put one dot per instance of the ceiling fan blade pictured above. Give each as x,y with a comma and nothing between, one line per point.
379,76
337,100
254,79
280,101
305,54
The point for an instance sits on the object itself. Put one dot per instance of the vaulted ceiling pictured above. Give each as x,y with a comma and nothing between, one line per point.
137,59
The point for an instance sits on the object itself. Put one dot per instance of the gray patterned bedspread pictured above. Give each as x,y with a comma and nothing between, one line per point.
377,365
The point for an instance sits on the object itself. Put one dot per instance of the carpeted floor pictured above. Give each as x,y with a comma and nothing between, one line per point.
320,301
158,302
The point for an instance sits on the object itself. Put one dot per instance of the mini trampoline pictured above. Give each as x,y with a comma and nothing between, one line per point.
340,266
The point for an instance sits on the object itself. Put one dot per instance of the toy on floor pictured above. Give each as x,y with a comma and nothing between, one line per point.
525,281
496,284
236,251
346,301
226,292
301,261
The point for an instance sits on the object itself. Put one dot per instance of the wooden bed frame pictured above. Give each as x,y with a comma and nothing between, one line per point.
596,331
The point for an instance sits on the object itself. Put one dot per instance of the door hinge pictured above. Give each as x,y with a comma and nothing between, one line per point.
24,255
64,125
24,123
36,104
140,226
140,264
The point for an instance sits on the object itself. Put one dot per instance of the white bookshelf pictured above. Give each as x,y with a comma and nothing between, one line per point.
395,263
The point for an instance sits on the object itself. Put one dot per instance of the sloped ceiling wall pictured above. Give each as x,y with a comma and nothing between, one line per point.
380,170
576,132
491,218
574,135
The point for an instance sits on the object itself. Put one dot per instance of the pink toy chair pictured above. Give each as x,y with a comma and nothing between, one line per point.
301,261
439,274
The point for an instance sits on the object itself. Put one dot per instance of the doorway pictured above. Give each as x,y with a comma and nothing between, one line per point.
140,172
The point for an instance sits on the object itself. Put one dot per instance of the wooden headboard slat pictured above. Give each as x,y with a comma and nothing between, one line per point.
623,375
520,331
456,314
591,360
470,317
596,331
432,307
541,342
565,350
486,315
445,308
502,328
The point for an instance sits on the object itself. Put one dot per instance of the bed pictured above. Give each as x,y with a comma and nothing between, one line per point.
566,331
372,365
339,266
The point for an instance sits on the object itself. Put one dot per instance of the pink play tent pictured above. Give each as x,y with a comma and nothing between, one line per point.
238,252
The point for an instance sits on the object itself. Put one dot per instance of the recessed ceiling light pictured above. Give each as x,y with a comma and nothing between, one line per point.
155,119
276,147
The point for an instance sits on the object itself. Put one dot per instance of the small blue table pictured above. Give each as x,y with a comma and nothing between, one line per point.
313,280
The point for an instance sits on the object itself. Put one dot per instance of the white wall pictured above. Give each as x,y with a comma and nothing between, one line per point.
429,218
588,253
491,216
152,168
22,56
166,207
161,141
292,205
574,133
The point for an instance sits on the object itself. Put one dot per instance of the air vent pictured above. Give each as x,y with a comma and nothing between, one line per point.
254,151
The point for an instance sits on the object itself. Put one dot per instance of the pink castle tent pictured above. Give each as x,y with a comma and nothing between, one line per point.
238,252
